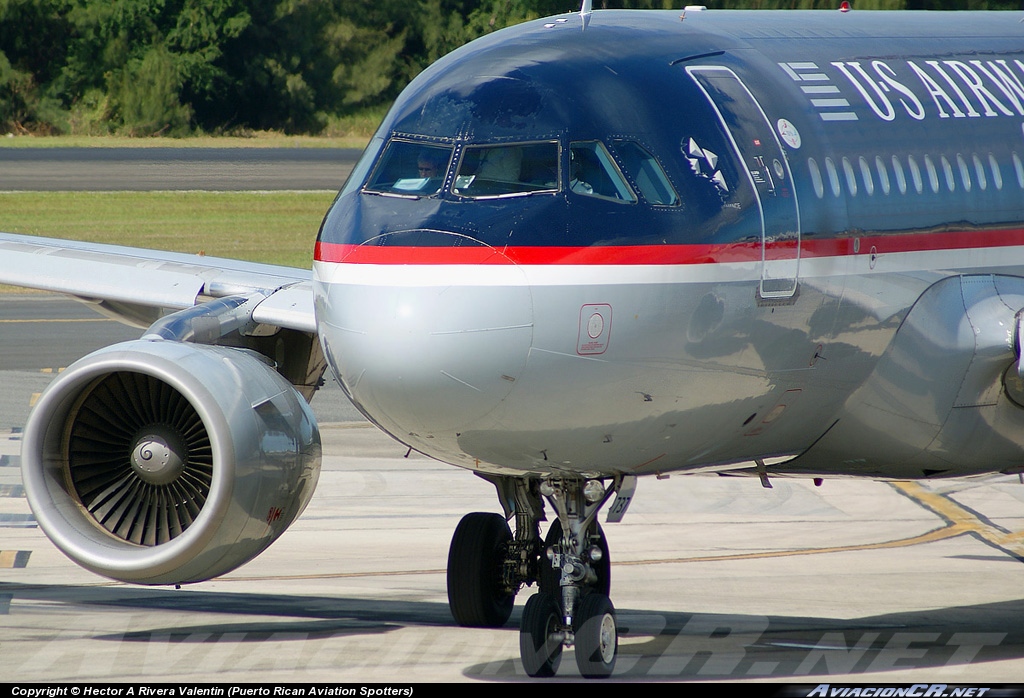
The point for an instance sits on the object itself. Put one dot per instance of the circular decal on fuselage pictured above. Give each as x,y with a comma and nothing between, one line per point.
789,133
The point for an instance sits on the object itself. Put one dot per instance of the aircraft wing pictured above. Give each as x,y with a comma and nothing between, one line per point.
137,284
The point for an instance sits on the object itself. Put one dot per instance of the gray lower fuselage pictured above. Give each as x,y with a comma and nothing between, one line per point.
682,376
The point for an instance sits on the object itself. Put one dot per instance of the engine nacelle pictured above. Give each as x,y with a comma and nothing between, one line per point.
159,462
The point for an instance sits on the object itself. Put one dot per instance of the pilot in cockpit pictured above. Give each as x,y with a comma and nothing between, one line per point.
428,164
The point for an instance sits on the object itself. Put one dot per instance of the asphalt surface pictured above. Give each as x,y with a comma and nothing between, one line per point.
713,578
174,169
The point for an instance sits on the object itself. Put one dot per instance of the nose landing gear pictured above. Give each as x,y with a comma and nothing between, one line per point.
577,577
487,567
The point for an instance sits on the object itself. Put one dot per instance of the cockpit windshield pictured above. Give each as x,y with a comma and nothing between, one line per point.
410,169
507,170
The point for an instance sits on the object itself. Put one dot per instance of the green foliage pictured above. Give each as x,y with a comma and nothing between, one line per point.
146,95
16,92
175,67
33,34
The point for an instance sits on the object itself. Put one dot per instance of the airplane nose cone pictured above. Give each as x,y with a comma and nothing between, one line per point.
430,339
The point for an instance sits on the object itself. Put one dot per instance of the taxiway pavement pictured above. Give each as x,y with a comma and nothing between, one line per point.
174,169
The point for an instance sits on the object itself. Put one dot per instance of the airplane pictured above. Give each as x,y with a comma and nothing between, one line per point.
578,251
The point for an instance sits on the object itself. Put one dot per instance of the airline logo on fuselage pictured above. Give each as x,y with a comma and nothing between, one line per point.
917,89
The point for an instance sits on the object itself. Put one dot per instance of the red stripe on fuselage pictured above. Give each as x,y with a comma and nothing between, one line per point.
611,254
667,254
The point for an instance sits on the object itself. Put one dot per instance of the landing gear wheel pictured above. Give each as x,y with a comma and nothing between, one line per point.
540,653
475,594
550,578
597,638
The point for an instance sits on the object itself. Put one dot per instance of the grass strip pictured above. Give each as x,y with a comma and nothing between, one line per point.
270,227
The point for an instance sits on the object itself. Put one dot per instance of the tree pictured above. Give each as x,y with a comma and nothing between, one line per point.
33,34
146,67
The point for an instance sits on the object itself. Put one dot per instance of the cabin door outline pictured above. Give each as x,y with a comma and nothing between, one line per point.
757,146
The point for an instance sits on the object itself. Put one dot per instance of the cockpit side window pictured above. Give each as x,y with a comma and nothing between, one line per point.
594,173
366,160
410,169
516,169
648,174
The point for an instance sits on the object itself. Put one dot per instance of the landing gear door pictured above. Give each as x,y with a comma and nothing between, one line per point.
765,163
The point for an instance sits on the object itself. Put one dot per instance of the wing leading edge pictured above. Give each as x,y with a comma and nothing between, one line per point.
139,285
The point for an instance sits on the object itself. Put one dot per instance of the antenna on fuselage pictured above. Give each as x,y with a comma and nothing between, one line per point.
586,8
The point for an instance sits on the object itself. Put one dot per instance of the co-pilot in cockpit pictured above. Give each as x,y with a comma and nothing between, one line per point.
507,170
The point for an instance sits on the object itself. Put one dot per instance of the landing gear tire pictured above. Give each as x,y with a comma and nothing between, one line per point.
475,594
597,638
550,578
540,653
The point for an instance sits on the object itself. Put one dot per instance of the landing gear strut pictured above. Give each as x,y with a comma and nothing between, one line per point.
487,566
576,576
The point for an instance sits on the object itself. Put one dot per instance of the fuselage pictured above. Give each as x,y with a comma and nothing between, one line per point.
680,243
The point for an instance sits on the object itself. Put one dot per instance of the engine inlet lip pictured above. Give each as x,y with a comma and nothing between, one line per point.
57,508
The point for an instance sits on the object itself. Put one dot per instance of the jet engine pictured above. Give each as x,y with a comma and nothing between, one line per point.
161,462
